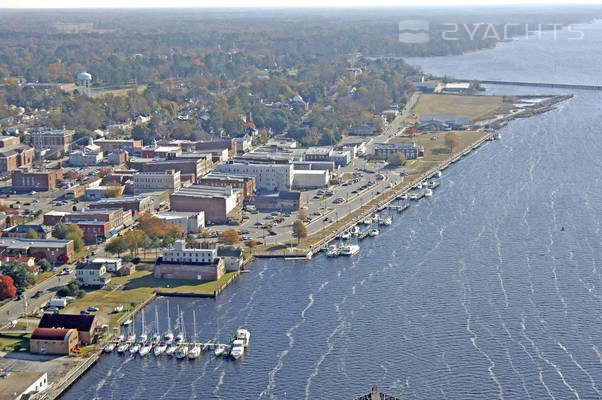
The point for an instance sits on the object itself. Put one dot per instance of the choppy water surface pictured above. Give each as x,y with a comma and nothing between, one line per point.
474,293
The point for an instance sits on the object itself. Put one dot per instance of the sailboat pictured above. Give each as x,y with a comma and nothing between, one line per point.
180,335
220,348
195,350
182,350
146,344
156,336
168,338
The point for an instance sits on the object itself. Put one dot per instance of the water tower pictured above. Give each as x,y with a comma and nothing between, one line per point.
84,80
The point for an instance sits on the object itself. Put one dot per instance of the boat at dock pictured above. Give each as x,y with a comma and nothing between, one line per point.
146,348
367,221
333,251
403,196
434,184
414,196
195,351
346,235
118,309
387,221
182,351
134,348
171,349
160,348
403,207
350,250
244,335
438,174
127,322
374,232
109,348
219,350
238,349
418,186
355,230
123,347
428,193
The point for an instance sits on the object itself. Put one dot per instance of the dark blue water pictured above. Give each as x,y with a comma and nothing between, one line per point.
472,294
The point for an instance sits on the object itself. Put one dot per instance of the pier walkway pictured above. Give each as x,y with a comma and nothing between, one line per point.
543,84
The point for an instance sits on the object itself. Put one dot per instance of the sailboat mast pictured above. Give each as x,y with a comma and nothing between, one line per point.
168,320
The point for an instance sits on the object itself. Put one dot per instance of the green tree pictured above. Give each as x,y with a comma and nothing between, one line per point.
20,273
396,159
117,246
299,230
31,234
60,231
44,264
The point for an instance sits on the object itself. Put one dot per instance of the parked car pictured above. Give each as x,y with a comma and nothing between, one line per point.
92,308
84,312
38,294
273,233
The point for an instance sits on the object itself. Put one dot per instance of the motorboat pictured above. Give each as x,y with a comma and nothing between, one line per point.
367,221
127,322
109,348
428,193
123,347
374,232
333,251
346,235
403,196
219,350
182,351
118,309
355,230
414,196
194,352
120,338
419,186
387,221
438,173
145,348
237,349
244,335
160,348
171,349
350,250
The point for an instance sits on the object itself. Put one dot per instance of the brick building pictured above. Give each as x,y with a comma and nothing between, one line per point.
229,144
187,263
109,145
85,325
151,181
245,183
36,180
216,202
138,204
53,341
190,168
57,142
116,217
94,231
411,151
53,250
17,156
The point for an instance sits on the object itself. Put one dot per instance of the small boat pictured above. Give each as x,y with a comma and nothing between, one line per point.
135,348
355,230
127,322
194,352
403,196
120,338
171,349
350,250
145,348
109,348
333,251
367,221
244,335
182,351
142,338
168,338
388,221
438,173
219,350
123,347
156,338
419,186
118,309
346,235
374,232
414,196
498,136
237,349
131,338
160,348
428,193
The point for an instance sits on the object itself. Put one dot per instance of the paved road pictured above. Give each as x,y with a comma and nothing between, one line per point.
14,309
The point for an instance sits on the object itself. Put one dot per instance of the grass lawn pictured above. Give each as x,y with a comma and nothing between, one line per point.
131,291
42,276
14,342
474,107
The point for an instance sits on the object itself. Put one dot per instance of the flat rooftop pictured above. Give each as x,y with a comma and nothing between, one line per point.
19,243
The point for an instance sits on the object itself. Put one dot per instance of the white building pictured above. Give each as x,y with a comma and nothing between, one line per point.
111,264
191,222
80,158
311,178
18,385
181,254
153,181
269,176
92,274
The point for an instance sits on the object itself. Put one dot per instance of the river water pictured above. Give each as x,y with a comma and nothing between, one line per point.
475,293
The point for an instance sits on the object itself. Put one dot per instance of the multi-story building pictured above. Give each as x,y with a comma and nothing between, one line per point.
151,181
318,153
117,217
411,151
190,168
191,222
229,144
216,202
53,341
138,204
181,262
92,274
84,158
282,201
132,146
94,231
311,179
61,251
54,142
270,176
16,156
245,183
36,180
7,141
86,325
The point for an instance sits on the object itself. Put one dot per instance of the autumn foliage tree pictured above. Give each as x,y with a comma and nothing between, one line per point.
228,237
451,140
299,230
7,287
153,226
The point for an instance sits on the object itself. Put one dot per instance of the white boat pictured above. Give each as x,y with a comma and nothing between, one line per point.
403,196
419,186
439,174
168,338
367,221
142,337
355,230
109,348
195,351
374,232
127,322
145,348
219,350
414,196
171,349
120,338
333,251
244,335
428,193
123,347
237,349
346,235
160,348
131,338
118,309
135,348
386,221
182,351
350,250
498,136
